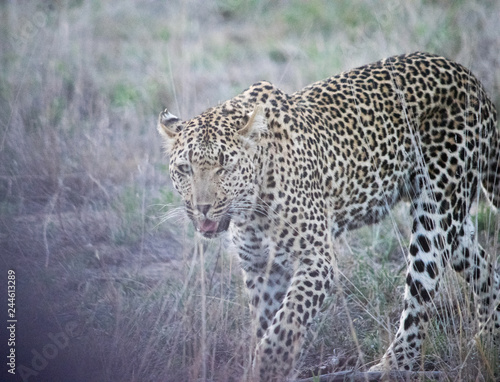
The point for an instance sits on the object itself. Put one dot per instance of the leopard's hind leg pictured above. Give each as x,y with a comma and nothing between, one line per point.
479,269
442,232
428,253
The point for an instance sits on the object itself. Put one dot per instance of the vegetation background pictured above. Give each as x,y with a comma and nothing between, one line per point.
88,218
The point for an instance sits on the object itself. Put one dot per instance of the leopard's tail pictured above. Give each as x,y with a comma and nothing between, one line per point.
491,171
491,178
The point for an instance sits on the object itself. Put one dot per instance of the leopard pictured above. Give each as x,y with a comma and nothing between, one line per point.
286,174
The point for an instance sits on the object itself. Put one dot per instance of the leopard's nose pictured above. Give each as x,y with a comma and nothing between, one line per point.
203,208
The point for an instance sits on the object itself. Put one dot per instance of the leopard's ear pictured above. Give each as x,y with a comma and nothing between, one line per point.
168,124
255,127
168,127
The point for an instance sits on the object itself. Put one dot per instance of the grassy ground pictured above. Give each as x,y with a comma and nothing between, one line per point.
122,295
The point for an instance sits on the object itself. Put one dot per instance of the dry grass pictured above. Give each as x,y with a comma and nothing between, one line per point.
83,184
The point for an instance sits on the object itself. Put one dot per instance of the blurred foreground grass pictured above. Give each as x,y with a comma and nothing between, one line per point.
84,186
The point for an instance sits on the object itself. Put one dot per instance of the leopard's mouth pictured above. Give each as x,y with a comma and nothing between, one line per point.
211,228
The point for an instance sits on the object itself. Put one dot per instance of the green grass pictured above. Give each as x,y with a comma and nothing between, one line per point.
84,184
486,220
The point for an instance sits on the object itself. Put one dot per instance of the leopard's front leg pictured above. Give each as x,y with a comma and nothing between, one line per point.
279,349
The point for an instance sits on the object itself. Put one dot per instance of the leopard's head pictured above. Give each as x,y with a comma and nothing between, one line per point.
213,163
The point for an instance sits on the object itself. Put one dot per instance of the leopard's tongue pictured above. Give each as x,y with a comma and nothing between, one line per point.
208,226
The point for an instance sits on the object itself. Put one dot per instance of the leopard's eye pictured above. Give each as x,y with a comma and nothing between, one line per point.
220,171
184,169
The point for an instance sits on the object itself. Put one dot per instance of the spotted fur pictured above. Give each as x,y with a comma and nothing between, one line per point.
287,174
